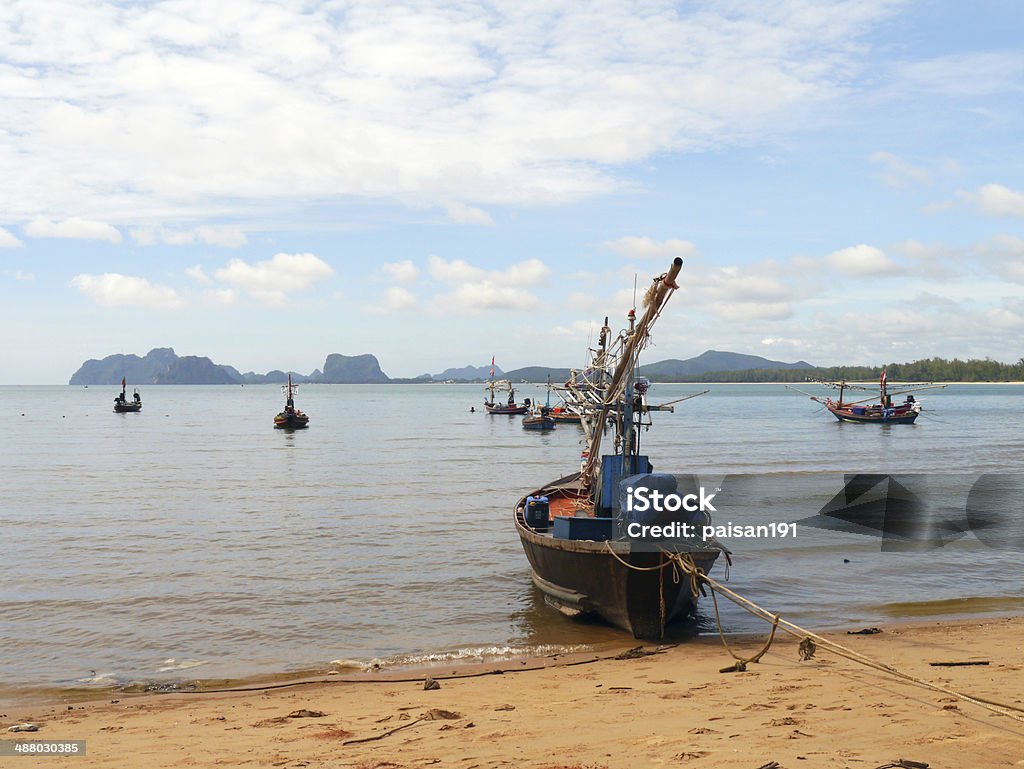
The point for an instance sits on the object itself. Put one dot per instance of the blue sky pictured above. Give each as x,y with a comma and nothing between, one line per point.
265,183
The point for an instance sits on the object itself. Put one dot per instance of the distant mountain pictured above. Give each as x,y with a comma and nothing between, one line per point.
672,369
467,373
537,374
357,369
134,369
163,366
192,369
712,361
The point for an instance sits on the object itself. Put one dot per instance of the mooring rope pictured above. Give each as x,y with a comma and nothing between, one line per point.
810,641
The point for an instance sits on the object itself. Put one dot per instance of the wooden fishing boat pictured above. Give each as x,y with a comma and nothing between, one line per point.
291,418
509,405
885,411
539,420
539,417
563,414
579,557
124,406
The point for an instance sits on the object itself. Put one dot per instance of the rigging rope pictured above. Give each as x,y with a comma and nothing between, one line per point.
684,563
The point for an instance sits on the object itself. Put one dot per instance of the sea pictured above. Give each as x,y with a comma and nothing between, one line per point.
192,541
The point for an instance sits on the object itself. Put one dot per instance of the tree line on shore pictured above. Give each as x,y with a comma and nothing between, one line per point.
926,370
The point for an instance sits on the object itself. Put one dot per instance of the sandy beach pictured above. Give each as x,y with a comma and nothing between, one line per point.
672,707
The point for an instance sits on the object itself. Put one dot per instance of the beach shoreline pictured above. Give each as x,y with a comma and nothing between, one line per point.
670,705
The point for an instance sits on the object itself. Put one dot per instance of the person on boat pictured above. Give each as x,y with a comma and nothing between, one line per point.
138,398
511,397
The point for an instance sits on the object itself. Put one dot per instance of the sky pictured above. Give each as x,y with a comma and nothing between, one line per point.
436,183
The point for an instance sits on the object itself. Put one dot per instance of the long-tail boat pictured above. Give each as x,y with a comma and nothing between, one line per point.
291,418
509,406
540,417
578,558
885,411
124,406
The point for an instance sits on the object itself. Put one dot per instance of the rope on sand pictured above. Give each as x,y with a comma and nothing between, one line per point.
811,641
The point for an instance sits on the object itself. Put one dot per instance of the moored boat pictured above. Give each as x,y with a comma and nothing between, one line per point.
124,406
291,418
509,406
571,529
886,411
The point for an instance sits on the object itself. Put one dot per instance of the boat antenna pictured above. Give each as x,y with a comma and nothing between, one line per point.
635,278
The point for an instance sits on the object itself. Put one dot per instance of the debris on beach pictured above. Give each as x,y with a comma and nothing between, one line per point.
23,728
430,684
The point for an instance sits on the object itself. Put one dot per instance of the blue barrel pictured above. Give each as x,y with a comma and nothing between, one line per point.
537,511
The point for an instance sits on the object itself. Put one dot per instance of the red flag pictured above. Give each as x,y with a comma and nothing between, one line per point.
492,365
882,382
122,383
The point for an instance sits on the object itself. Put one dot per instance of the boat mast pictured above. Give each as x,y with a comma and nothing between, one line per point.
618,394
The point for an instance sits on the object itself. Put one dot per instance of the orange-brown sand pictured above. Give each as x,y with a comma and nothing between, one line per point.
672,709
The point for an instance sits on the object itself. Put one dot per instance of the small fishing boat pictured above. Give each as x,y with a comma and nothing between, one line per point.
291,418
886,411
509,406
570,528
124,406
564,414
539,420
539,417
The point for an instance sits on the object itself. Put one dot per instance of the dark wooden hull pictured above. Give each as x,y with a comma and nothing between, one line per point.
291,422
506,409
896,417
582,576
538,423
127,408
566,417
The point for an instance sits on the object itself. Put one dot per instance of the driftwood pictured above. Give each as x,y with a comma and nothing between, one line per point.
385,734
904,763
957,664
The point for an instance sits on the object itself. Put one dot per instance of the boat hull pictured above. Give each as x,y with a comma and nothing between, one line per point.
506,409
291,422
585,577
898,417
128,408
538,423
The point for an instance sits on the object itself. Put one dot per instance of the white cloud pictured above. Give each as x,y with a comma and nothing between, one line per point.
228,237
272,281
198,275
75,228
748,311
475,290
21,275
7,240
997,200
636,247
455,271
862,260
402,272
222,296
112,289
897,172
463,214
424,103
396,299
482,295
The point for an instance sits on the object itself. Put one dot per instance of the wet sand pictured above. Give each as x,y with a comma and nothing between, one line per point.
671,708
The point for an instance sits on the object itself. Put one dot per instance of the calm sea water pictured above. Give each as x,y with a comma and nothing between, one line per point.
195,541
